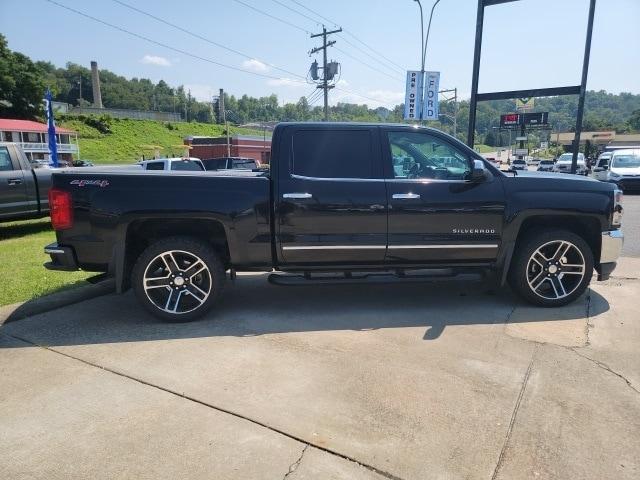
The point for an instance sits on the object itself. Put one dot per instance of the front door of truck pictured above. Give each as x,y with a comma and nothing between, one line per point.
331,197
436,214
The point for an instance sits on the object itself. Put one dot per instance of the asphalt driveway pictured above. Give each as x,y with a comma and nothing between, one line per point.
415,381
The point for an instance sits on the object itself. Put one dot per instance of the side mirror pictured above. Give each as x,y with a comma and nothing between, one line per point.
479,172
605,167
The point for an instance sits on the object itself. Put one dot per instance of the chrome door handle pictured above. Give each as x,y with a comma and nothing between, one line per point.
297,195
405,196
14,181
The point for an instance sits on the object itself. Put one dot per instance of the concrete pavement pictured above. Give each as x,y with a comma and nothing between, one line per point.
440,380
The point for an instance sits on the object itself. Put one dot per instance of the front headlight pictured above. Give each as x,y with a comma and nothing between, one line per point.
613,175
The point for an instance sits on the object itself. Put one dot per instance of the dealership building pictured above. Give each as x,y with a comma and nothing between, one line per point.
248,146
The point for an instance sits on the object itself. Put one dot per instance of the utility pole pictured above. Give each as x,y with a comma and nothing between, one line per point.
325,74
80,91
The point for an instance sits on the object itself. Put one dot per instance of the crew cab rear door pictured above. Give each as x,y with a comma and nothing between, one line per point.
13,189
330,197
435,213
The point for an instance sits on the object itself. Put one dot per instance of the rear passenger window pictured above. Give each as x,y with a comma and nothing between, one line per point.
333,154
155,166
5,160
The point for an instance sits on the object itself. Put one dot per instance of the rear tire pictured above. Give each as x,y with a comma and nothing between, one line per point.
178,279
551,268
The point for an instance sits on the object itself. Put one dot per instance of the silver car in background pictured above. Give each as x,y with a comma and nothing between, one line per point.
563,164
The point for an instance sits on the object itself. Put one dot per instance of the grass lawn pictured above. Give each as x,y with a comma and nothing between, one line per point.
21,259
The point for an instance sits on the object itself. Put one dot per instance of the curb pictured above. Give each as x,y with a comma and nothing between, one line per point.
20,310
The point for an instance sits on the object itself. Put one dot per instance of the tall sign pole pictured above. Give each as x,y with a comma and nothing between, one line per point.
583,87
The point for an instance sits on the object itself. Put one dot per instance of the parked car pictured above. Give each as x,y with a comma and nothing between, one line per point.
545,166
494,161
563,164
181,164
230,163
519,164
340,200
82,163
621,167
23,187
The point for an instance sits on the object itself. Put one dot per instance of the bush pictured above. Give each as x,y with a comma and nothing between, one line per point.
101,123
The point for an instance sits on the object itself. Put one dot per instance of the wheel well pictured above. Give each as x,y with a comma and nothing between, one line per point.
585,227
142,233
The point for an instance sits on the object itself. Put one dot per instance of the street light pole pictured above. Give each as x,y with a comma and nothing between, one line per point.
426,40
421,36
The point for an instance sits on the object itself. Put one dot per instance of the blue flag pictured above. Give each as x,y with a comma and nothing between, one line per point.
53,146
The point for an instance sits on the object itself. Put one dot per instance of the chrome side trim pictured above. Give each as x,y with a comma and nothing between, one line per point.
393,247
302,177
297,195
453,245
612,242
336,247
53,250
405,196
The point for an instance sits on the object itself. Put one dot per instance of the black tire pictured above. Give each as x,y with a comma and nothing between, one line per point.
178,287
557,281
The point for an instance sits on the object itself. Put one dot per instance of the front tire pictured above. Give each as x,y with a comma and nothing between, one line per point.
551,268
178,279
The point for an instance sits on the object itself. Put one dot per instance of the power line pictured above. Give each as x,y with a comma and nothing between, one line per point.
306,31
373,57
296,11
348,33
195,35
315,13
169,47
396,77
273,16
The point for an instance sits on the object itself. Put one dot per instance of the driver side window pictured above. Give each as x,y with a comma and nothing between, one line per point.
423,156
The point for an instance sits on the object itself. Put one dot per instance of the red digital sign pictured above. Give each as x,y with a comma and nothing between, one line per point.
510,120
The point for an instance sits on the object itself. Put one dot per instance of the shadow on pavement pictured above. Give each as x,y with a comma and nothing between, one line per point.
253,307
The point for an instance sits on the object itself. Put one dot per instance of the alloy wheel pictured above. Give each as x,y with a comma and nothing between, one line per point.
177,282
555,269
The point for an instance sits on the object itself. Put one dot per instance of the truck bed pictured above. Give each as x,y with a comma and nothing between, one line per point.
112,206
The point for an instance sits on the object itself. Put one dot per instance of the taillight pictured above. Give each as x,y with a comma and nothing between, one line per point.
61,209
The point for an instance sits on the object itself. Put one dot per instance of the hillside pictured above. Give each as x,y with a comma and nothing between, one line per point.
126,140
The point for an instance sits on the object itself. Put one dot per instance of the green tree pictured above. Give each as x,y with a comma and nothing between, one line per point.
21,84
634,120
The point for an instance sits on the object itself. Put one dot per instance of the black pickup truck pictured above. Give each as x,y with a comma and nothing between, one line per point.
342,202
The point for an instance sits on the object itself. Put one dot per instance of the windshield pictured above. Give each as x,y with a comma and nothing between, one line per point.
567,157
518,162
546,162
626,161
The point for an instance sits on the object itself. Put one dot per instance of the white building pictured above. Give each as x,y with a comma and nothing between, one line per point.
34,139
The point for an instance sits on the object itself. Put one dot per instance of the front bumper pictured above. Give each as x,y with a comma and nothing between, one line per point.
62,258
626,183
610,249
